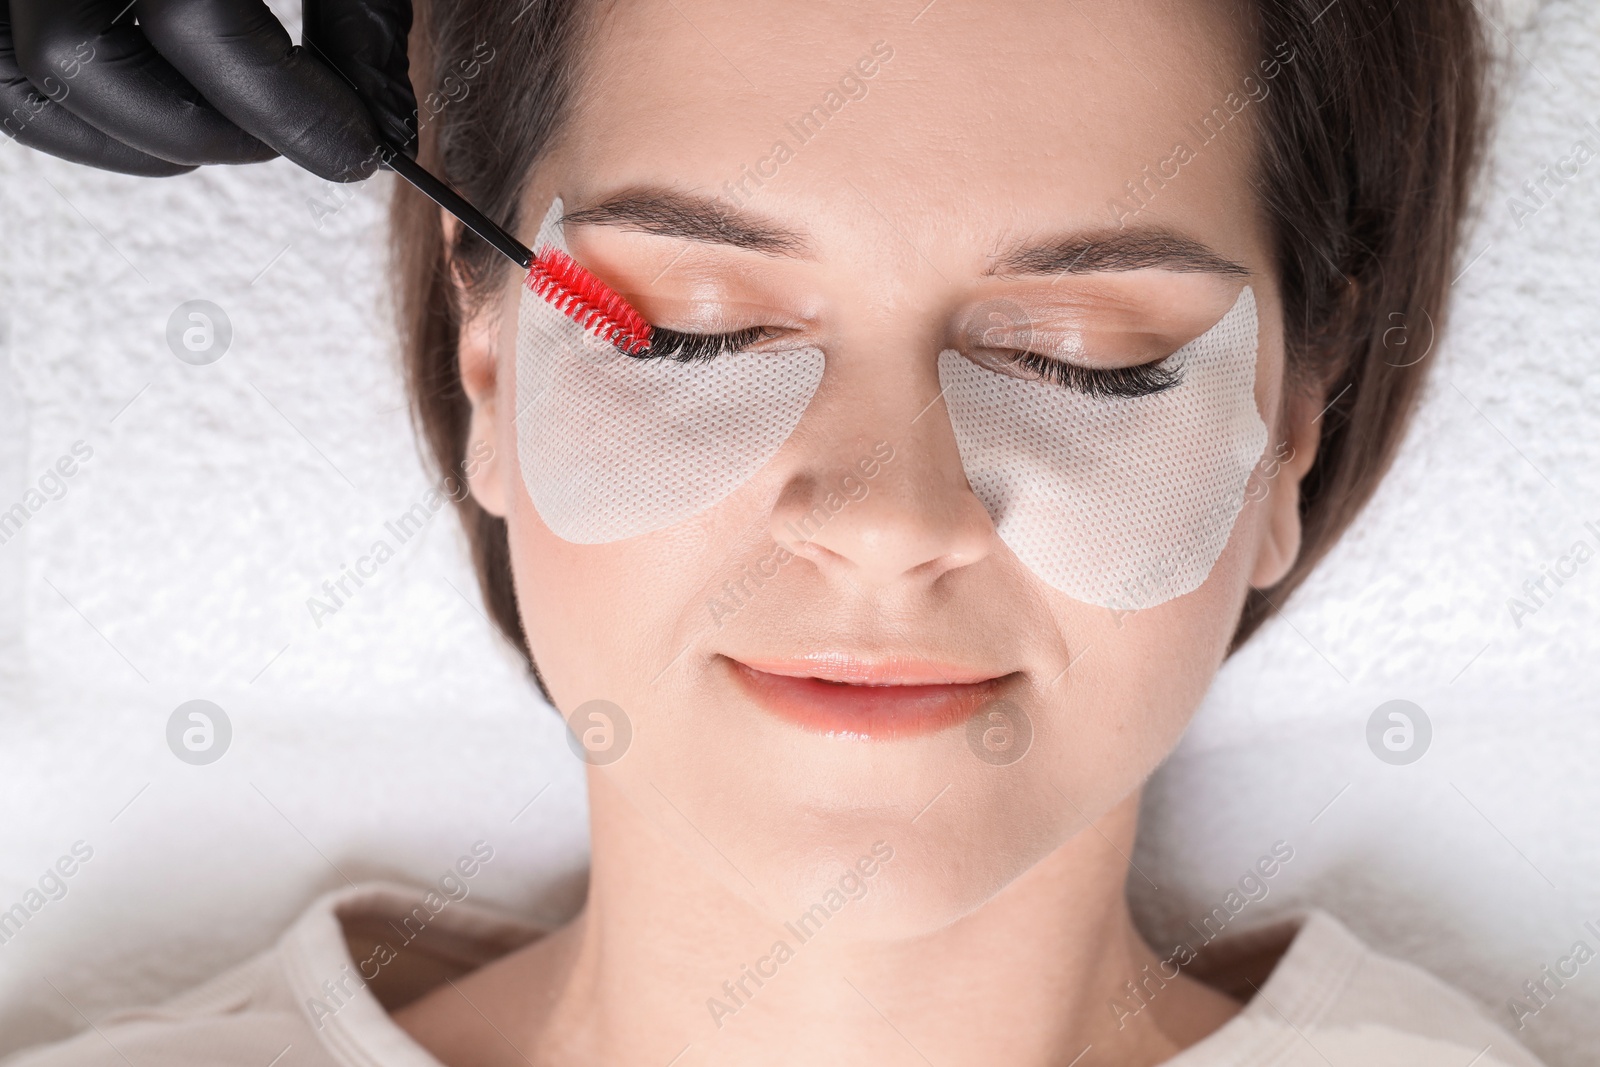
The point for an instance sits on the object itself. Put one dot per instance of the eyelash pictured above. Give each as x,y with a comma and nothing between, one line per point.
698,347
1146,379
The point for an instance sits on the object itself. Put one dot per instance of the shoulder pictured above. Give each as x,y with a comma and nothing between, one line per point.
1332,1000
244,1015
319,997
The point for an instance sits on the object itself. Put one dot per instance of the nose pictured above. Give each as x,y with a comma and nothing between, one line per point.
883,501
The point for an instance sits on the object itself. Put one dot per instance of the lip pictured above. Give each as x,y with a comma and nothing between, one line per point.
840,695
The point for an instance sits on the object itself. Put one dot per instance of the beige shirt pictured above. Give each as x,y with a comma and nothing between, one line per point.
318,997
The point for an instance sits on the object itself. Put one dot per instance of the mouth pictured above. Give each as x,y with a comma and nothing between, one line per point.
840,695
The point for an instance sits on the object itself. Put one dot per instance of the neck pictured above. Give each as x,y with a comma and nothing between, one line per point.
665,958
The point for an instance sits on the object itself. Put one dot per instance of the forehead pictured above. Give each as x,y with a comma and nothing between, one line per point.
951,122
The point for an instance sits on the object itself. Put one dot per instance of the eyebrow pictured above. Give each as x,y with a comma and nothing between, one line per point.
1117,250
693,218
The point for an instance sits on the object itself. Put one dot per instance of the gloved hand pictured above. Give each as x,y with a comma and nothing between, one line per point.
206,81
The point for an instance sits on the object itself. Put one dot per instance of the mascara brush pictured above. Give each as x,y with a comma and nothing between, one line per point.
553,274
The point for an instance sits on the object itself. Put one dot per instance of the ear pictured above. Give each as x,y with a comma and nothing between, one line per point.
477,351
1281,471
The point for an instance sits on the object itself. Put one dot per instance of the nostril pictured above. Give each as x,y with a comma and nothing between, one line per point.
902,529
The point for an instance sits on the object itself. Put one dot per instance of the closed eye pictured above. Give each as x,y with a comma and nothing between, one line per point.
1145,379
699,347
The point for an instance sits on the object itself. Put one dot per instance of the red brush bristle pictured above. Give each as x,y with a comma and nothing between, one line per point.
588,301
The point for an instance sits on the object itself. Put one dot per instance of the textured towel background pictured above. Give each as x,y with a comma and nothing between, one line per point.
384,742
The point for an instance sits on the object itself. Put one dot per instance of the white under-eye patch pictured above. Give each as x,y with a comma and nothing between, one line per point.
613,446
1123,502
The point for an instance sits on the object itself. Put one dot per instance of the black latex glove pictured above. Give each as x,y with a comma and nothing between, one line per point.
206,81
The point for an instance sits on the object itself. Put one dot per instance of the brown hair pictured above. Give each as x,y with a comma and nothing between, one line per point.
1372,134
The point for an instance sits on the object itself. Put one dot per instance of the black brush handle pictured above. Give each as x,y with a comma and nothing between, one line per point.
456,204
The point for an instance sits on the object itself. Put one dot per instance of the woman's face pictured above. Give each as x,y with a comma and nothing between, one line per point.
886,182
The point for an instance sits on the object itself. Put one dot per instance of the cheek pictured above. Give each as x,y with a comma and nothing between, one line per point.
1135,684
604,620
578,606
1138,676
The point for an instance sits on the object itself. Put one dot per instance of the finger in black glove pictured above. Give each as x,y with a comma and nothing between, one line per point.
213,81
